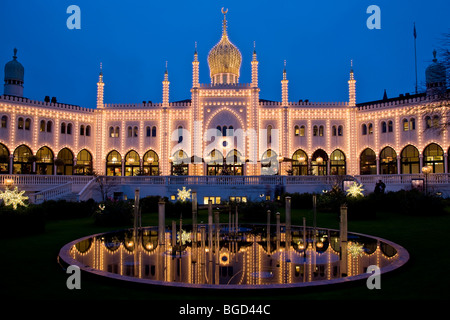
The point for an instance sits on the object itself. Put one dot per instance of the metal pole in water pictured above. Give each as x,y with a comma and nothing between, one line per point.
161,221
343,241
278,231
268,231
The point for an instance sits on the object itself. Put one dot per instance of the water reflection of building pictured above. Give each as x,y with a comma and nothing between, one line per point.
251,261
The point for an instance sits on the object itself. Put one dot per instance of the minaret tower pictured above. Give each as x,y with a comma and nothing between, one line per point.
166,88
14,77
284,87
195,69
100,86
254,68
352,88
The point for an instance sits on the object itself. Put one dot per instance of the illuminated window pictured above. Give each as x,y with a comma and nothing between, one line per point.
405,125
20,124
4,122
340,131
42,127
370,129
302,131
214,200
412,124
296,131
321,131
172,197
27,124
334,131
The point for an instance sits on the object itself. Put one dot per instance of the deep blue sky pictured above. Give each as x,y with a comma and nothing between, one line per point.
133,39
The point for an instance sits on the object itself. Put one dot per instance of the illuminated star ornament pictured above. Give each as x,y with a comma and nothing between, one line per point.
184,194
13,197
355,249
355,190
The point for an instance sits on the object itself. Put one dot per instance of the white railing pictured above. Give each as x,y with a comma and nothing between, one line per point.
432,178
51,193
83,195
33,179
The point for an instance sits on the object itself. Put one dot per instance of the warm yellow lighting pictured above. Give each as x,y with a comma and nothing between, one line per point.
13,197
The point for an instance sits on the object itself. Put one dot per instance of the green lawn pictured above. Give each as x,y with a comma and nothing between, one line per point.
29,266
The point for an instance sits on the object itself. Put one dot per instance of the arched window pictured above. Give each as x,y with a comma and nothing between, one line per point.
412,124
321,132
383,127
23,160
148,131
390,126
4,122
219,131
88,131
150,164
296,131
230,131
180,134
337,163
405,125
269,134
84,162
370,128
340,131
132,164
234,163
49,126
436,122
302,131
180,163
334,131
42,126
63,128
433,157
69,128
130,132
388,161
117,132
319,163
315,131
44,161
224,131
82,130
27,123
364,129
214,163
368,162
4,159
64,165
111,132
410,160
135,131
114,164
299,163
20,123
269,163
153,131
428,122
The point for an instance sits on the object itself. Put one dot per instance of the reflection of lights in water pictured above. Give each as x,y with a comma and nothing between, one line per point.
149,246
185,236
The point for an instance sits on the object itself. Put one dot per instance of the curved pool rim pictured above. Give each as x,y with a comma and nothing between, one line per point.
67,260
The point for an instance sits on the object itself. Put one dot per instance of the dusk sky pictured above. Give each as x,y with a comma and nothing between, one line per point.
134,39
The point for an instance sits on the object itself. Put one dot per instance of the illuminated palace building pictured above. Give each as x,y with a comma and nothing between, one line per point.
225,135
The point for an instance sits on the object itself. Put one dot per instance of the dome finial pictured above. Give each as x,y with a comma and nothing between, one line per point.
15,54
434,55
224,31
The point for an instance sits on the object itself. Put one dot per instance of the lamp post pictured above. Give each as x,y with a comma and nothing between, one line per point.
426,170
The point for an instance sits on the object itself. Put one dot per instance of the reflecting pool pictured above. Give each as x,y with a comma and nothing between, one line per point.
249,256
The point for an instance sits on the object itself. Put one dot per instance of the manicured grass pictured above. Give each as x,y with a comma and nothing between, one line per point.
29,267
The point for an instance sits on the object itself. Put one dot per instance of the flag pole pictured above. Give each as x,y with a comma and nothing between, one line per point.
415,52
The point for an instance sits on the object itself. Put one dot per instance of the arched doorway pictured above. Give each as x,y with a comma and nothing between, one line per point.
410,162
114,164
388,161
4,159
64,164
319,163
180,163
368,162
150,164
214,163
44,161
132,163
433,157
269,163
23,160
337,163
84,163
234,164
300,163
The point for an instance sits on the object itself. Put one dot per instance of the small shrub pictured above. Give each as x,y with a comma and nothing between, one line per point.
22,221
114,213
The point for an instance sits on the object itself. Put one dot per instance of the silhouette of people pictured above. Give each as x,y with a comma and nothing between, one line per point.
380,187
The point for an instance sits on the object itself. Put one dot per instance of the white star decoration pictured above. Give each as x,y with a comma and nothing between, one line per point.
184,194
355,190
355,249
13,197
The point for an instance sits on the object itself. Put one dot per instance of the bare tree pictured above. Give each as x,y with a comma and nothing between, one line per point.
105,185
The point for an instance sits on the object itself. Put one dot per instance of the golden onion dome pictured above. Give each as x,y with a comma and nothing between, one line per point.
224,57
